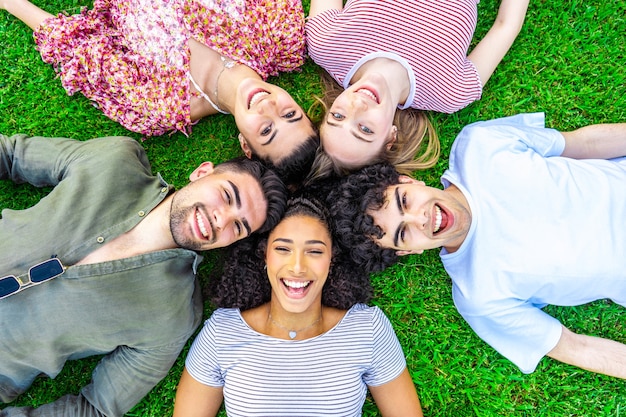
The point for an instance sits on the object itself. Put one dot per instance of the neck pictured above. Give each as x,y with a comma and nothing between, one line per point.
295,325
393,71
207,69
229,83
153,232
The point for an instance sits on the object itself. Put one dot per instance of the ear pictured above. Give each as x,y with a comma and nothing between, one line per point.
203,170
244,146
394,137
405,179
409,252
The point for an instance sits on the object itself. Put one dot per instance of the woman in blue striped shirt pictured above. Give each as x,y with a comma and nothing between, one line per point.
297,339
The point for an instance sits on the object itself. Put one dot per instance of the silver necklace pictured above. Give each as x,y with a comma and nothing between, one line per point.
226,64
293,333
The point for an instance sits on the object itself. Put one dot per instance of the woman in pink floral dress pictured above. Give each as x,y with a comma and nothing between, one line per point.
157,66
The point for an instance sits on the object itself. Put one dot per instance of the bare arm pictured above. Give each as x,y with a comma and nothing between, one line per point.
397,398
25,11
594,354
318,6
491,49
602,141
194,399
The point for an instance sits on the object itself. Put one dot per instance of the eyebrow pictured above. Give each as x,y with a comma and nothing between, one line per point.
297,119
399,204
308,242
238,204
355,134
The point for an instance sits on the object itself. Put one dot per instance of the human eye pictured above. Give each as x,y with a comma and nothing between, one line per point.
266,130
290,115
366,129
403,201
238,229
337,116
227,197
281,249
316,251
402,234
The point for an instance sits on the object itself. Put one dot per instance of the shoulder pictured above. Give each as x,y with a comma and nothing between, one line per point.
367,316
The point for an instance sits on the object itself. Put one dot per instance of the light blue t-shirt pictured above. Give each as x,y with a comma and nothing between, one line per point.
545,230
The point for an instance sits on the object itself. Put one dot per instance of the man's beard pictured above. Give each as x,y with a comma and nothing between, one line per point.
178,218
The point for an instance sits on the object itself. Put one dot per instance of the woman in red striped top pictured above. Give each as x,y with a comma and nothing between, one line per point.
395,58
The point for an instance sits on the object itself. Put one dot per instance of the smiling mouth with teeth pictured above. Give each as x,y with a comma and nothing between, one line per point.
202,226
296,286
256,97
368,93
438,218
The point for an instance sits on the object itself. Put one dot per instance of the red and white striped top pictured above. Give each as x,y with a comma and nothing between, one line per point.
433,36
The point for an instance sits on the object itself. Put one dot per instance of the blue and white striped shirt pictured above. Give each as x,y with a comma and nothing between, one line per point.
326,375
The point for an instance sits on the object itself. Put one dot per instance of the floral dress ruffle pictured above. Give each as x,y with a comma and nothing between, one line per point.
131,57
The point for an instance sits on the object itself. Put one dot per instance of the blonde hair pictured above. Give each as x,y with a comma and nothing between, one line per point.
416,146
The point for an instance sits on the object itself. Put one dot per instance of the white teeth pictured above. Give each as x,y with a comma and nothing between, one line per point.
438,218
257,96
296,284
368,93
201,225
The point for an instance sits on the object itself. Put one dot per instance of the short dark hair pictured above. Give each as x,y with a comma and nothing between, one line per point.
348,201
295,167
244,283
272,186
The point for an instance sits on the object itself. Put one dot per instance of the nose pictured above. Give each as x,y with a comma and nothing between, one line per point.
298,264
267,106
358,102
223,217
419,219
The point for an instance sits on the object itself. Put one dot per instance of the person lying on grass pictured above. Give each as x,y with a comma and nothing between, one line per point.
105,264
528,217
296,338
160,66
387,62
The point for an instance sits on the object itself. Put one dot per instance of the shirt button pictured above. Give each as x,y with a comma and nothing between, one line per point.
163,190
100,239
141,213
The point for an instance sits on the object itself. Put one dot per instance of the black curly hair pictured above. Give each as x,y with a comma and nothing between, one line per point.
348,202
244,283
294,168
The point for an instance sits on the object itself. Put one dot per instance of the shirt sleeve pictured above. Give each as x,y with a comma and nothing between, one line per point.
119,381
388,360
44,161
517,329
202,361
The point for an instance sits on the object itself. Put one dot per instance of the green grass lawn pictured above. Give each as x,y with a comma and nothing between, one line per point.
568,62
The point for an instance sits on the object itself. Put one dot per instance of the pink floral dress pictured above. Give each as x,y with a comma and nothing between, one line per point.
131,57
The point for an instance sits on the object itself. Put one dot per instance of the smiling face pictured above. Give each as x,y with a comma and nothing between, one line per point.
271,123
359,123
415,217
298,255
216,209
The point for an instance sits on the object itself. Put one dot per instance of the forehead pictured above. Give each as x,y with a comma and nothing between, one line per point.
289,137
301,228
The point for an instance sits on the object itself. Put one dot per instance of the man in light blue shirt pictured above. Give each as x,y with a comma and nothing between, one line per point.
528,216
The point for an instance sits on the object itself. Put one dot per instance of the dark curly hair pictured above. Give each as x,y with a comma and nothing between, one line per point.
348,202
293,168
244,283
